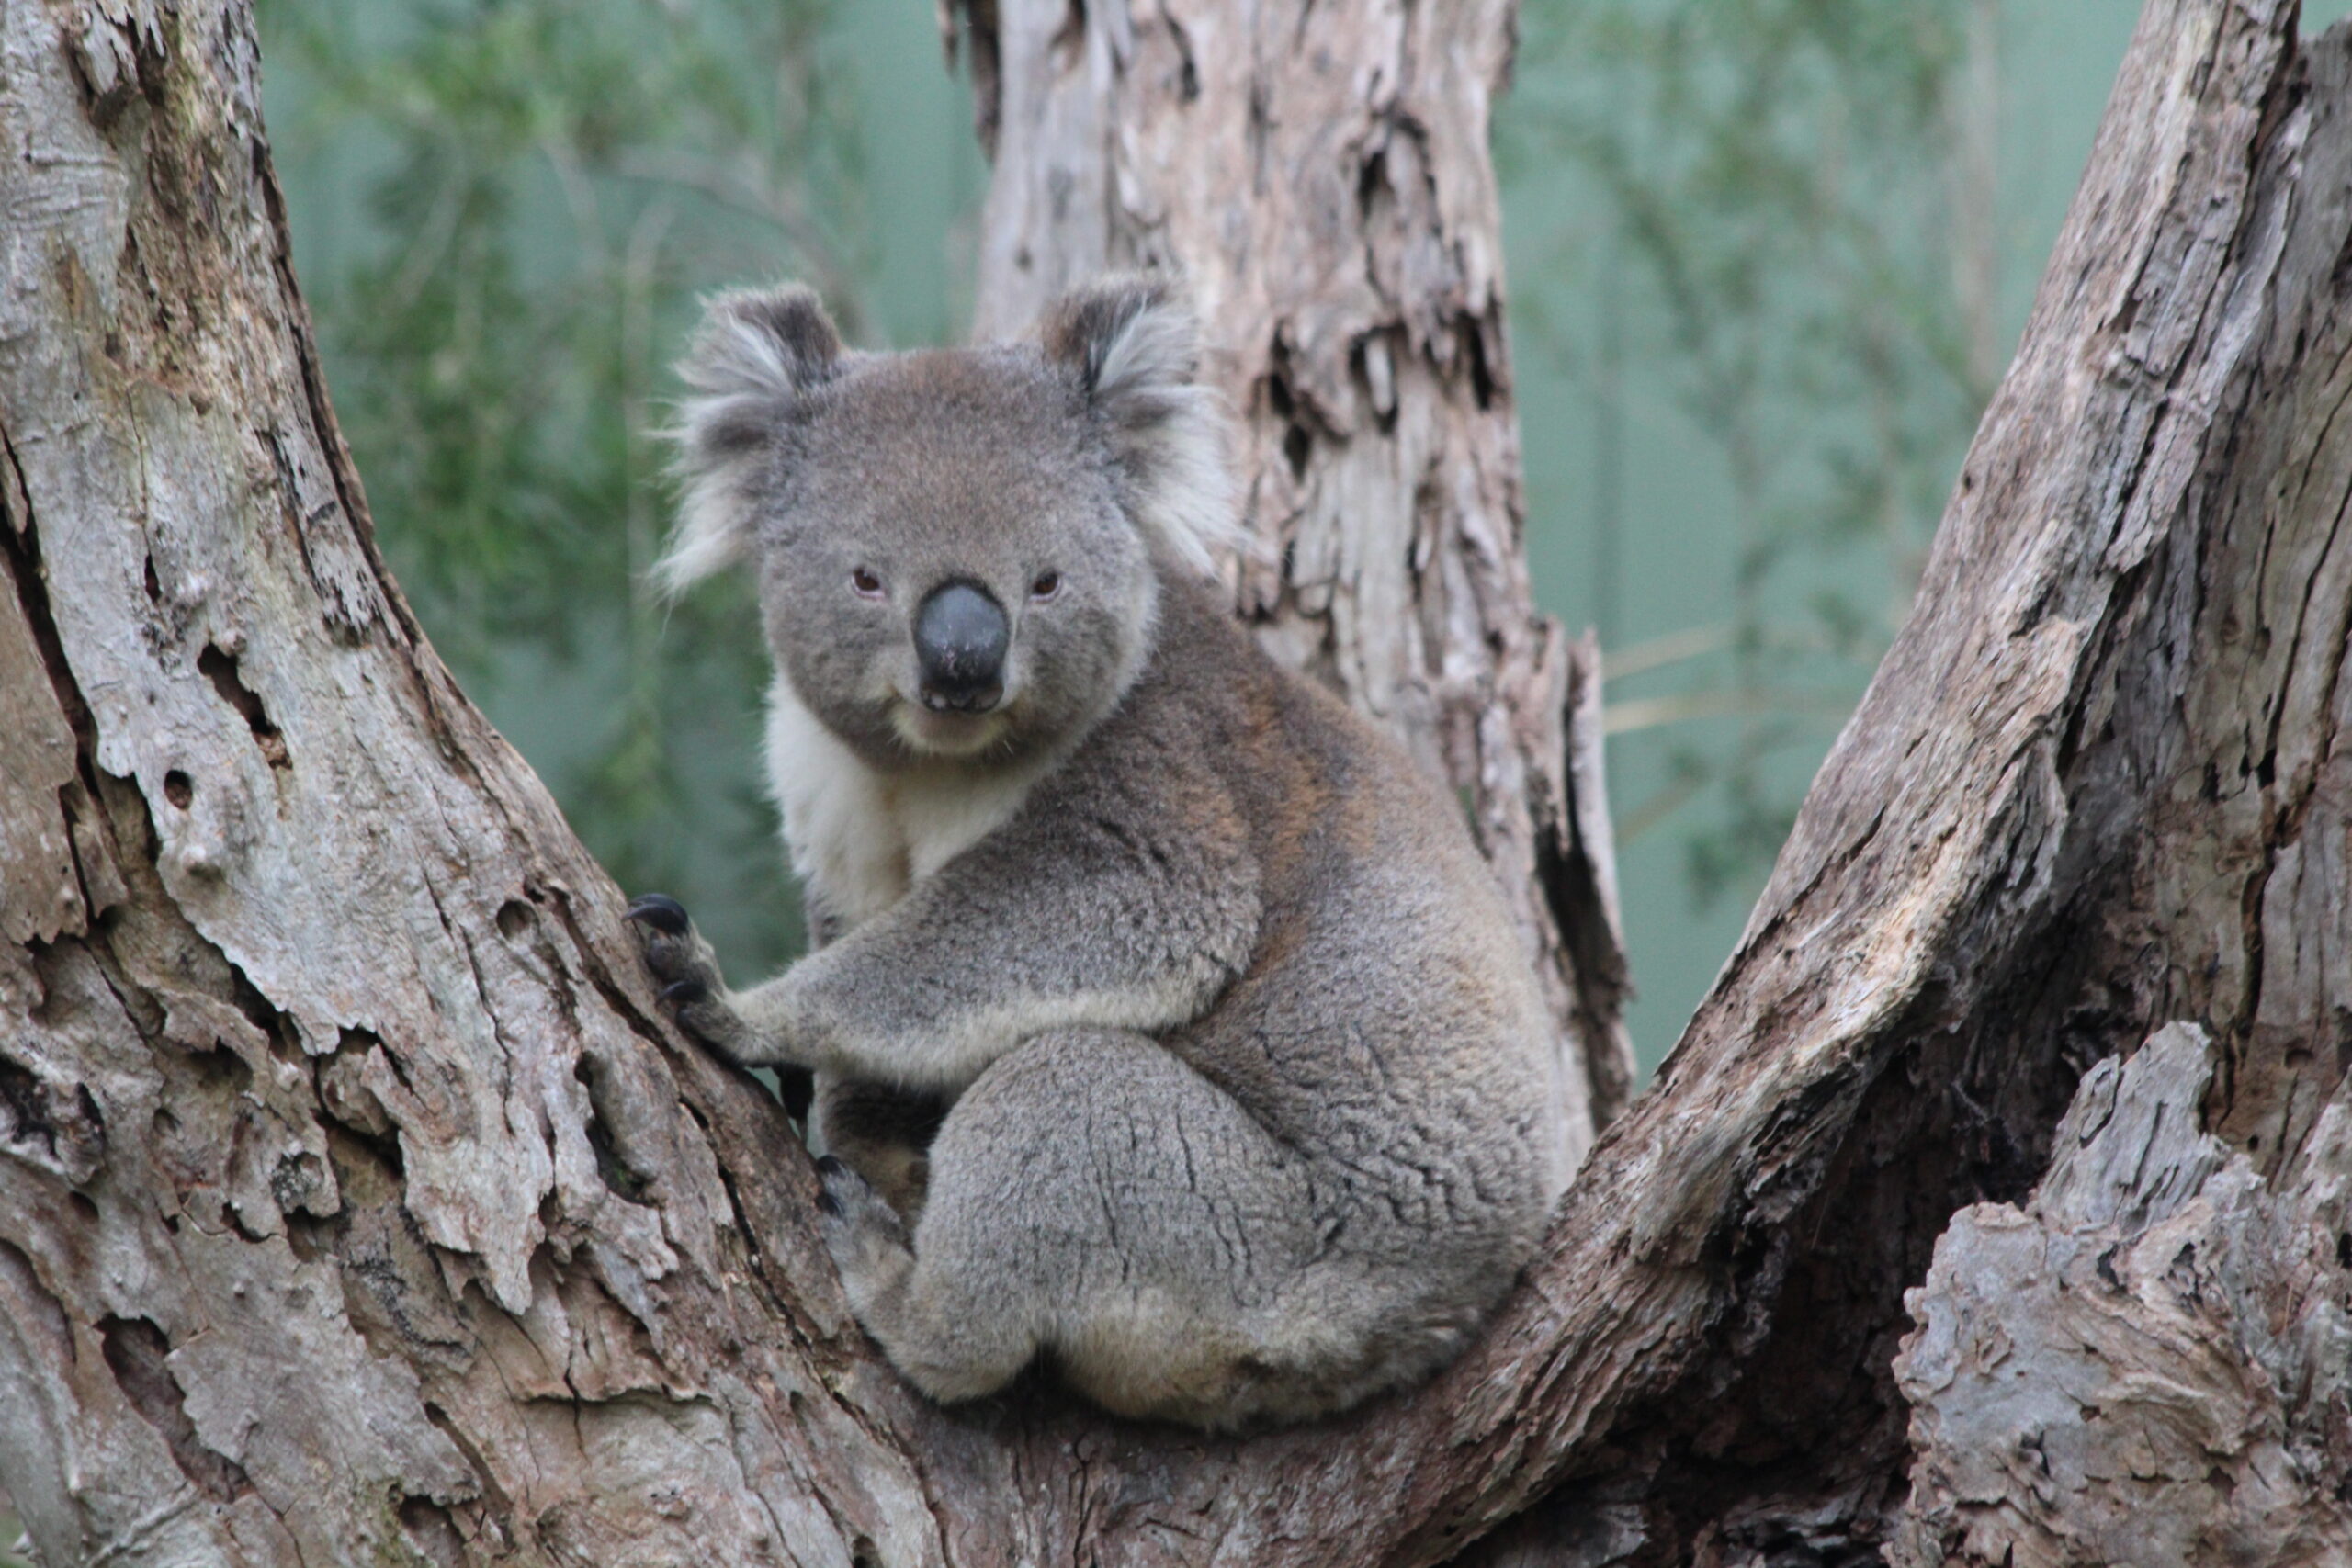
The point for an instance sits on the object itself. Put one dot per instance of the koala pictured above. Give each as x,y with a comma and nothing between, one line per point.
1168,1028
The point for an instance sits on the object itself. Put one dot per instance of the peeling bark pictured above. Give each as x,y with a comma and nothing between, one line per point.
355,1202
2149,1362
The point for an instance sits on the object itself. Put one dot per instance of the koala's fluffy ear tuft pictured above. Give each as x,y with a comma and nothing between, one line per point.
1135,347
759,353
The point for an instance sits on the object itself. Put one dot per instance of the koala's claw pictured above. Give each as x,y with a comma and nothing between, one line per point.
864,1233
685,970
660,911
830,1170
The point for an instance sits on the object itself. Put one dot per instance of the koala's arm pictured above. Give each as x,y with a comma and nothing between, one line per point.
1090,908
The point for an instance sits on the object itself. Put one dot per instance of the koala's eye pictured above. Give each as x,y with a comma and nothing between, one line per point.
864,584
1046,586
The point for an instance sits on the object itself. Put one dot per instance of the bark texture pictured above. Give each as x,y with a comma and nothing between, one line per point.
355,1204
2149,1362
1320,175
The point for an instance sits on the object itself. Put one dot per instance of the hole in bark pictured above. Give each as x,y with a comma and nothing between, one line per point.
513,919
2106,1268
135,1351
2339,278
1296,444
862,1553
34,1114
616,1174
2344,1249
1298,440
215,1071
433,1533
367,1168
155,587
276,1027
222,669
1482,373
2265,773
27,1105
1278,396
1188,71
1369,179
178,789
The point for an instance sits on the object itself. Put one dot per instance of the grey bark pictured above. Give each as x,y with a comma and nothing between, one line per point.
355,1204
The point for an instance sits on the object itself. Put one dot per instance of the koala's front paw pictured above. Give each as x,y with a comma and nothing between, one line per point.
682,962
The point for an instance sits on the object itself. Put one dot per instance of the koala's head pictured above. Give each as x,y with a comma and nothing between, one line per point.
959,550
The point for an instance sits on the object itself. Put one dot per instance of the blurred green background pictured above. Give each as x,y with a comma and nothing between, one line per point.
1767,260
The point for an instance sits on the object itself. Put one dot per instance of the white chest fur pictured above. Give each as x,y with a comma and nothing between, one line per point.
860,839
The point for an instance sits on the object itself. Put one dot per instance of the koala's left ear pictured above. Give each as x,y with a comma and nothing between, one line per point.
1135,347
760,353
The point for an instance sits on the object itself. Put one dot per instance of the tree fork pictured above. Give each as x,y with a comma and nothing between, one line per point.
355,1199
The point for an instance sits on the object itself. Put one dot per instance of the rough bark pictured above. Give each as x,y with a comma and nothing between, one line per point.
1320,175
2152,1361
355,1204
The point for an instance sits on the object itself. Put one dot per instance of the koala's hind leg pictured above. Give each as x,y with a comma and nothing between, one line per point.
1094,1197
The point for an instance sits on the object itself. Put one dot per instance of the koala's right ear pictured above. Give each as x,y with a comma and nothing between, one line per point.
1133,345
758,354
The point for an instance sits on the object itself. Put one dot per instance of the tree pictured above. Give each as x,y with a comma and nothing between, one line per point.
356,1202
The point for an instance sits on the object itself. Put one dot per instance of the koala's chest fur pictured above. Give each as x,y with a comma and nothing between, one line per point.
860,839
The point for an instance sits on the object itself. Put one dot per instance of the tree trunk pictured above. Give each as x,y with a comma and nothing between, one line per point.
355,1202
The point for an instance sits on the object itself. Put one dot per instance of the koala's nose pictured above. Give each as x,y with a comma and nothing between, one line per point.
960,637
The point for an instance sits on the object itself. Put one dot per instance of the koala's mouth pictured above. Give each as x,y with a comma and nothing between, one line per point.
949,732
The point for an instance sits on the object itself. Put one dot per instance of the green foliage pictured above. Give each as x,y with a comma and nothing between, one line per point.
1785,206
504,211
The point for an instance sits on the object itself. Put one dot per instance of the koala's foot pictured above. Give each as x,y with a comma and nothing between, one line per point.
682,962
946,1331
865,1236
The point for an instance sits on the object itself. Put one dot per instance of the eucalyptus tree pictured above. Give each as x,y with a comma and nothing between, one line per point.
357,1201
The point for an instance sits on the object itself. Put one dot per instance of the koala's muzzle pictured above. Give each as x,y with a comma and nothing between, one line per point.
961,633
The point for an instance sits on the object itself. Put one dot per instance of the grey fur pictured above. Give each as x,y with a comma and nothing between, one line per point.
1247,1110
